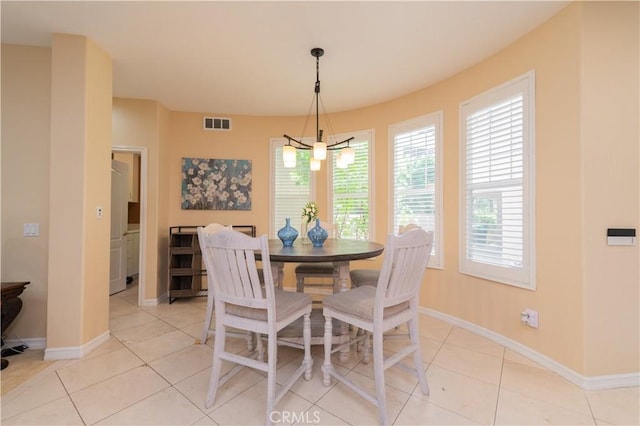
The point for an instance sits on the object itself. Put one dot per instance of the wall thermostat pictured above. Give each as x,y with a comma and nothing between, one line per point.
621,236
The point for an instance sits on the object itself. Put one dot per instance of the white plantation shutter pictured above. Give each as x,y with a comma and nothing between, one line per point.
349,190
291,188
496,189
415,177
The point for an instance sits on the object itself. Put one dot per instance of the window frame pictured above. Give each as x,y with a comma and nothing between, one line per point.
434,119
524,277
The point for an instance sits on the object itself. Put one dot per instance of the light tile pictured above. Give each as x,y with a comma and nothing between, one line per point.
319,416
117,393
311,390
470,363
129,320
93,370
515,408
544,385
167,407
468,340
462,366
140,333
180,306
58,412
111,345
23,367
188,315
513,356
195,330
205,421
395,376
420,412
251,408
428,347
348,405
616,406
464,395
433,328
119,307
179,365
162,345
195,387
25,398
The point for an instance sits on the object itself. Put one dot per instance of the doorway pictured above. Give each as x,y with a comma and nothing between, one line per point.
139,254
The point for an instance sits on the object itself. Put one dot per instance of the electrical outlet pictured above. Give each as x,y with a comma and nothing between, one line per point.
530,317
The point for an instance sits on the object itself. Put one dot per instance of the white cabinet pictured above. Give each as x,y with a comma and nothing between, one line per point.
133,252
133,161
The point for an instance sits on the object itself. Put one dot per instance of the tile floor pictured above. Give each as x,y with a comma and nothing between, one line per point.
153,372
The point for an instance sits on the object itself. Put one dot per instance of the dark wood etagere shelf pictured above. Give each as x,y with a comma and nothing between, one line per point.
185,261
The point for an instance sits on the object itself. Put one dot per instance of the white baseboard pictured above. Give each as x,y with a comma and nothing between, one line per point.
75,352
155,302
588,383
149,302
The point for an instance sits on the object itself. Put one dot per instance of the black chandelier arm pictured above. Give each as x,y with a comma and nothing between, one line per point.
302,145
335,146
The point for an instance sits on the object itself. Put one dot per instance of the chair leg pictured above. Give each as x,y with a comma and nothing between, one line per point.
378,371
299,283
365,347
259,347
272,349
326,366
214,378
306,335
250,343
207,319
417,355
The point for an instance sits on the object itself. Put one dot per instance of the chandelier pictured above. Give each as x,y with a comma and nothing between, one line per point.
346,155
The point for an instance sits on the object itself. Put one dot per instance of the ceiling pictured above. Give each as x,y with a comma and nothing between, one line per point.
253,58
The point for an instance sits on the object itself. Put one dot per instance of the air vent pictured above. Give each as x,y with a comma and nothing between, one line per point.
217,123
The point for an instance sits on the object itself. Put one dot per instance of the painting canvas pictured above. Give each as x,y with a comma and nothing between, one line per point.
212,184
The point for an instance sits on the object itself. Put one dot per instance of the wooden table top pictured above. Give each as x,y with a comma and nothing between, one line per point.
333,250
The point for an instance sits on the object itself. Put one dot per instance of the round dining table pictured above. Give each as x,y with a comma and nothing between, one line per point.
339,251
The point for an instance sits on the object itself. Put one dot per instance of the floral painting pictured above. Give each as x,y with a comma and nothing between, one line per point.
212,184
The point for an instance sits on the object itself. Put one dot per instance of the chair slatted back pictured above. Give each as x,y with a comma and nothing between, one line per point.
230,261
406,257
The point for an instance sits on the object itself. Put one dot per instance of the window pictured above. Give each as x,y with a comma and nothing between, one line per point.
496,184
349,189
291,188
416,178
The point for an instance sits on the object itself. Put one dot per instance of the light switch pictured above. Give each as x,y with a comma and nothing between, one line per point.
31,229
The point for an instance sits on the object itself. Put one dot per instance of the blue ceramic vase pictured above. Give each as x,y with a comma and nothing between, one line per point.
317,234
288,234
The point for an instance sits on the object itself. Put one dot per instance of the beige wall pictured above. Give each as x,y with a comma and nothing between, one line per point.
586,146
26,113
80,180
610,138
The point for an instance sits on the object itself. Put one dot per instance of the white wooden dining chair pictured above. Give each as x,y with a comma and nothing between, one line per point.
360,277
242,302
394,301
207,331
